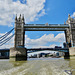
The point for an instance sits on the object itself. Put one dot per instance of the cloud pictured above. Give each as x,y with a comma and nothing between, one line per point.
44,40
32,9
50,46
73,15
60,37
40,41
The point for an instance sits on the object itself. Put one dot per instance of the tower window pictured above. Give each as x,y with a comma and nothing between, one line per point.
18,43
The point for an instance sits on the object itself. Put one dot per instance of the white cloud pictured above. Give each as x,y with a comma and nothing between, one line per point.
32,10
60,37
50,46
42,41
73,15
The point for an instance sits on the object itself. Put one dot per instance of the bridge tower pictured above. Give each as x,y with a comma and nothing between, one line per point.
19,52
70,35
19,32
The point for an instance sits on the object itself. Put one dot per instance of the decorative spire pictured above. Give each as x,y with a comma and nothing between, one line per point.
23,17
69,17
64,22
20,16
16,17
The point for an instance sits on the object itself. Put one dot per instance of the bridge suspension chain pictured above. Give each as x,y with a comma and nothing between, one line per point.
6,40
5,35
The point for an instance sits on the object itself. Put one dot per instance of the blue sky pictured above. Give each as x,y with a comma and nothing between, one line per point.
37,12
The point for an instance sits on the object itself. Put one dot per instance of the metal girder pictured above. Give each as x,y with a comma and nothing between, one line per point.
50,49
45,29
46,26
47,49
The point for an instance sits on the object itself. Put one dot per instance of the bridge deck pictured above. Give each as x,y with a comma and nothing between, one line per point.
46,26
45,29
51,49
40,49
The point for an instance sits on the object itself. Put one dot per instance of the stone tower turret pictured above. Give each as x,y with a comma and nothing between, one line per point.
19,32
71,31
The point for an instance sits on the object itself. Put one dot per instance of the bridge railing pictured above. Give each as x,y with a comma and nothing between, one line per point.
46,24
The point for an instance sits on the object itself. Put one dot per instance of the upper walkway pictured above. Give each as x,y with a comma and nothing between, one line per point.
46,27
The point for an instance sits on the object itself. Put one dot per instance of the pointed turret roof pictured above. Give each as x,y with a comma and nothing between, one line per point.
23,17
16,17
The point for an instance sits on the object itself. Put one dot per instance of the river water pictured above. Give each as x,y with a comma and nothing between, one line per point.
38,66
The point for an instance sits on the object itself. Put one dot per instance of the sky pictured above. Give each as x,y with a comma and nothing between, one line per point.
36,12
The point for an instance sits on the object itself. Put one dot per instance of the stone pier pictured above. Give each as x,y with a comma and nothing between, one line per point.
72,52
18,54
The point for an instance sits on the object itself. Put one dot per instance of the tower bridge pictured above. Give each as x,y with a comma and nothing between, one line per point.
19,52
